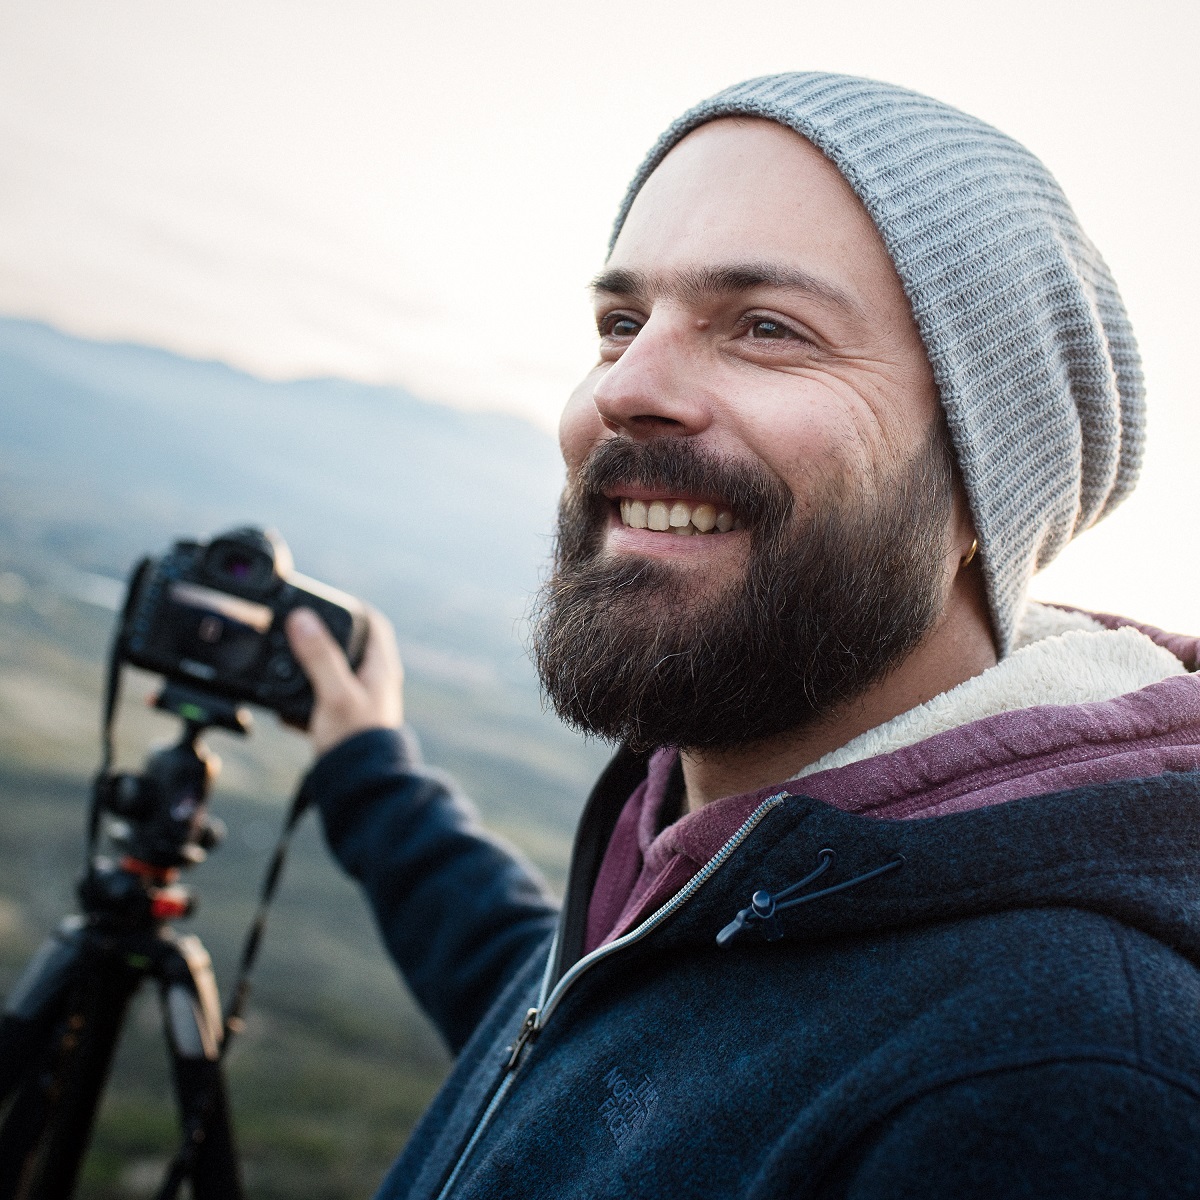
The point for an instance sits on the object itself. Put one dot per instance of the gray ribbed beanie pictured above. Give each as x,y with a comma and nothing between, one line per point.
1030,345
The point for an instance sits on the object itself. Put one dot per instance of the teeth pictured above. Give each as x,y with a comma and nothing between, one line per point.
680,517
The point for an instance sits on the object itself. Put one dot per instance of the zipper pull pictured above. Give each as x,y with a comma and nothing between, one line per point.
529,1030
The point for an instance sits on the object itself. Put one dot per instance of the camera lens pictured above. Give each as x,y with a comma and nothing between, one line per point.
243,560
238,566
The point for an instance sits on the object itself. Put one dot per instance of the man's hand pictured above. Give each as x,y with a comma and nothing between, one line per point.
348,703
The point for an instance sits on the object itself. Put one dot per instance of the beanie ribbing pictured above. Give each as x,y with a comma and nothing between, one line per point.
1030,345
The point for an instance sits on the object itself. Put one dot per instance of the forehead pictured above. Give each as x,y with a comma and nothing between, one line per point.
748,189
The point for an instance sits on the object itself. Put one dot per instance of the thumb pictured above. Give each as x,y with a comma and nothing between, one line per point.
321,657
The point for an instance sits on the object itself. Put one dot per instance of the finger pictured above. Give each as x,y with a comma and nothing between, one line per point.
319,655
381,657
381,671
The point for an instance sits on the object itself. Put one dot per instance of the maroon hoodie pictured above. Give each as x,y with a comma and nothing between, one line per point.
1030,752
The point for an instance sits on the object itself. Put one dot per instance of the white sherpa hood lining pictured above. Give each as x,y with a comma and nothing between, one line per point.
1060,657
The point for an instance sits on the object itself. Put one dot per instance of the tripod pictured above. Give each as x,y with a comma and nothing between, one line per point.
62,1022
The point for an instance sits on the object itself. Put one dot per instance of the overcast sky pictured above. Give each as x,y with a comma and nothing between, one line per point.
418,192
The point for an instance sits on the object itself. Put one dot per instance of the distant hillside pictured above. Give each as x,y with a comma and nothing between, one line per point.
442,519
441,516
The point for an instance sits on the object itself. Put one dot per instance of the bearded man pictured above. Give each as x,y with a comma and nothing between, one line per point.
891,889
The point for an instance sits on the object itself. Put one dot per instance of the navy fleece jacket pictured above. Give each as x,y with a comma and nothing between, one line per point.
1009,1009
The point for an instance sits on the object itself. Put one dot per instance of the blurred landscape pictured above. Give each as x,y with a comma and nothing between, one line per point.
440,518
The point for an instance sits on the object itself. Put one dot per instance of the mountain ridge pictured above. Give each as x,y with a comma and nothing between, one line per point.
424,509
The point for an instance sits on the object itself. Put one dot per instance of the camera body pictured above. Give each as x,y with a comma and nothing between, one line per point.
211,614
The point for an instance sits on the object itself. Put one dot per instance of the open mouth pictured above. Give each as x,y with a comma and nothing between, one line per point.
677,516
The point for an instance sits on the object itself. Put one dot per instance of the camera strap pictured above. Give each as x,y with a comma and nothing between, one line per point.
234,1022
112,695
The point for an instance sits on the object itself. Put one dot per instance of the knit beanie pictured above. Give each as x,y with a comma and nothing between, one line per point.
1031,348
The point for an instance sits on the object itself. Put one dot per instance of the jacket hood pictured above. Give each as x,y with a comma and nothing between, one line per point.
1129,851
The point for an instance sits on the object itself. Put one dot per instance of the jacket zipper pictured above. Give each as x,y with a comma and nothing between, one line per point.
536,1018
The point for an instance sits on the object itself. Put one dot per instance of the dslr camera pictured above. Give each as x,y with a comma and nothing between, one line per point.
211,615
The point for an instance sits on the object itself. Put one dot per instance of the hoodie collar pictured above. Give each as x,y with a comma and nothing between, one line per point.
1134,858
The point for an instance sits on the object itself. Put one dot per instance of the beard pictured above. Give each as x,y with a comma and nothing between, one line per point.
643,651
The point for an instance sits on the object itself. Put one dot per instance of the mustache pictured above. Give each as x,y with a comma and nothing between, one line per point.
676,464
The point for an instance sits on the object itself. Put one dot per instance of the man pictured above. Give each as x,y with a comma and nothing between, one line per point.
892,888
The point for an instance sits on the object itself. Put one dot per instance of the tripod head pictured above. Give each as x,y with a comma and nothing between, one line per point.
159,819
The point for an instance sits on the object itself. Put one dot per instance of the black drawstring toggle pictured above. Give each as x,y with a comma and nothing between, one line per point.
765,908
762,906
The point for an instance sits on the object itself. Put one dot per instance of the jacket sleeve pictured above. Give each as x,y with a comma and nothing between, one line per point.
1073,1130
458,910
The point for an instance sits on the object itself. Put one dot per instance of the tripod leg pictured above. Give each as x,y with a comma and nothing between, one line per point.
46,1132
194,1030
36,1002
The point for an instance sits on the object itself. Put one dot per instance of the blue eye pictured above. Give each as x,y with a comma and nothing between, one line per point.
619,327
765,328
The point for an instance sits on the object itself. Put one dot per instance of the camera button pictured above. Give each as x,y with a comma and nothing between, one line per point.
282,667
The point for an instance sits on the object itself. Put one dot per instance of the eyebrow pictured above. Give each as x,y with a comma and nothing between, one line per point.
700,283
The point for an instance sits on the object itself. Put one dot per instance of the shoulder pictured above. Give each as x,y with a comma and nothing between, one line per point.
1053,980
1065,1063
1066,1127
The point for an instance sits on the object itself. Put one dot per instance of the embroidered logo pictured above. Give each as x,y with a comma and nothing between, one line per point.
628,1107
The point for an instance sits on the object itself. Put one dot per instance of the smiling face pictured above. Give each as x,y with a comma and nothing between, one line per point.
759,517
749,305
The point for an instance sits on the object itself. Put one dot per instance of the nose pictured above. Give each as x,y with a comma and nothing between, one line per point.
657,387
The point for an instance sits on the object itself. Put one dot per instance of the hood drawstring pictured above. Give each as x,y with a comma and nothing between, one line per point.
764,908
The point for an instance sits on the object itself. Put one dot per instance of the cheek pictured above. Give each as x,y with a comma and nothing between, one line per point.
808,437
579,427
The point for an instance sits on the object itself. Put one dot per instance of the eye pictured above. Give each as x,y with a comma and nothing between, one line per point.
618,325
764,327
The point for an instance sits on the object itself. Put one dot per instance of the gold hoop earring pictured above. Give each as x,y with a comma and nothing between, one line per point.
970,553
